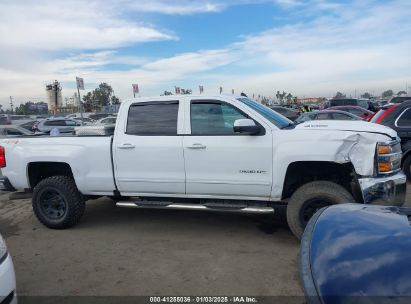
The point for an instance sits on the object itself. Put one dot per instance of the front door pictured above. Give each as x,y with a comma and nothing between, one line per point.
148,153
220,162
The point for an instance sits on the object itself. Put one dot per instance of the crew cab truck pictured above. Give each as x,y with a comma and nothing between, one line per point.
221,152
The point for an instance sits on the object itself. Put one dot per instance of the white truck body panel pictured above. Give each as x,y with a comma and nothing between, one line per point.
228,167
88,157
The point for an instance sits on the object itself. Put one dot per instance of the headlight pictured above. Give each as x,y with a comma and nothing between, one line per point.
388,157
3,249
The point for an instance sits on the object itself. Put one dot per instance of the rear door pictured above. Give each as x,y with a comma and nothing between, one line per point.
220,162
148,149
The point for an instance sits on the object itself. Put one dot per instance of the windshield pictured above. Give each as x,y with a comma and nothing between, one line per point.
274,117
363,104
399,99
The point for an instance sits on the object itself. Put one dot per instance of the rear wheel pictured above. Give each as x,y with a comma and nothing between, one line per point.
57,203
406,167
310,198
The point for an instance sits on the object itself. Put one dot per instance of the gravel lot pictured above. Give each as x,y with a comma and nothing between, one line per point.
116,251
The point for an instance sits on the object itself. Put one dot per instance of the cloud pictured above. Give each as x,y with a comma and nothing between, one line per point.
180,8
71,25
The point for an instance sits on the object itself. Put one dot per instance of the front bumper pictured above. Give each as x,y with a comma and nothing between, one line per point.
7,282
388,190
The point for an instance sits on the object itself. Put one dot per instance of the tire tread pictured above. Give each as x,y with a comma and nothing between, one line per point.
75,201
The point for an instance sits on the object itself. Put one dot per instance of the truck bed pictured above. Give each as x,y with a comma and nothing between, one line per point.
89,158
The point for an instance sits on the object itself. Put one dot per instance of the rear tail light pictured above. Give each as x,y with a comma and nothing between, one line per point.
2,157
385,114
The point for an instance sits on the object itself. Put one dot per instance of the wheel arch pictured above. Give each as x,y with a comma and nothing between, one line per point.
37,171
300,173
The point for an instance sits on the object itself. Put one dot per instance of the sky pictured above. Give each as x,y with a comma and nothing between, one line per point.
307,47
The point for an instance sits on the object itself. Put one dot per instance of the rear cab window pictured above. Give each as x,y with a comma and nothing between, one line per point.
156,118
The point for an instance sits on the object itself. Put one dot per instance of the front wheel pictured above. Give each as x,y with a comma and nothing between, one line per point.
57,203
310,198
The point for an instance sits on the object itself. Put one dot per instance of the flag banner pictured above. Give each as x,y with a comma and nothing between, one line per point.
201,89
221,90
136,90
178,90
80,83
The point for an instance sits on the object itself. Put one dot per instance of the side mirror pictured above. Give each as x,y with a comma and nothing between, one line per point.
246,126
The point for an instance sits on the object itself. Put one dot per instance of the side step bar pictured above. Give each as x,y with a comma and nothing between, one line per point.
171,206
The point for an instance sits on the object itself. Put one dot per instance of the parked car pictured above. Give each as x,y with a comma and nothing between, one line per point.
289,113
336,102
106,121
97,116
326,115
213,152
86,121
41,117
62,124
398,117
357,254
11,131
399,99
29,125
7,276
91,115
4,120
358,111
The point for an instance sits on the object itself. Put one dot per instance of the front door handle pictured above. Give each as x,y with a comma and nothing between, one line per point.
197,146
126,146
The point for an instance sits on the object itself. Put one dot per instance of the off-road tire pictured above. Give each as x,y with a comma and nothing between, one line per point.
406,167
330,192
73,199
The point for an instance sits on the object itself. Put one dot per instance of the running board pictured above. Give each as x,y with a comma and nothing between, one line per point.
171,206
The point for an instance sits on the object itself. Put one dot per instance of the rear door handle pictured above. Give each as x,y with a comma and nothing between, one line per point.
197,147
126,146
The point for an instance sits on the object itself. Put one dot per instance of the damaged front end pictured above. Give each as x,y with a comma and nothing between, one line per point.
384,183
375,154
388,185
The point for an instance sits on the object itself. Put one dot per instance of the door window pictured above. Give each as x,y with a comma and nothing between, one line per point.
71,123
405,119
355,111
153,119
214,118
341,116
14,132
54,123
323,116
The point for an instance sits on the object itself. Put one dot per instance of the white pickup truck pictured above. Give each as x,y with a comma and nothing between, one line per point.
221,152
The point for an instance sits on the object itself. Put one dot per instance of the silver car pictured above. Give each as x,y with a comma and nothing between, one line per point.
64,125
11,131
106,121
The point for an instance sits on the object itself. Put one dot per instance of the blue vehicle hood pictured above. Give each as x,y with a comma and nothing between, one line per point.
351,251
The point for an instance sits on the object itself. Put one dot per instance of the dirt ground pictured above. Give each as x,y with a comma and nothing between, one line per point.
116,251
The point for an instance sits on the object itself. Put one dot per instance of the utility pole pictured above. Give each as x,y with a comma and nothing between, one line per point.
11,104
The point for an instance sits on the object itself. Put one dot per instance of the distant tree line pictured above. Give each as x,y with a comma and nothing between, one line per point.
366,95
30,108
